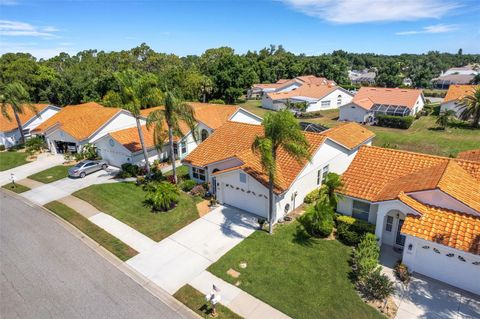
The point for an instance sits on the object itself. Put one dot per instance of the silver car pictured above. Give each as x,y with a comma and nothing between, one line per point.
84,168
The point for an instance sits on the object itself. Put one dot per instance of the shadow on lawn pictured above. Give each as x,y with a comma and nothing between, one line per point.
302,238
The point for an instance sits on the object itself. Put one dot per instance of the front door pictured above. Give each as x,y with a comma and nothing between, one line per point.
400,239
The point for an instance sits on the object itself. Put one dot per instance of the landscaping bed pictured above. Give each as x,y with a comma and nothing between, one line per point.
195,300
300,276
17,188
103,238
51,174
125,202
11,159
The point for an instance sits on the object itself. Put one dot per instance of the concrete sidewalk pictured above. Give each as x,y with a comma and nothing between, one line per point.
43,161
236,299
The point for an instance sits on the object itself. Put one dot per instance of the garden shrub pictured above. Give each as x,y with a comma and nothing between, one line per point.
308,115
351,230
130,169
2,147
365,256
217,101
312,196
89,152
161,196
402,273
376,285
403,122
318,219
188,185
198,190
34,144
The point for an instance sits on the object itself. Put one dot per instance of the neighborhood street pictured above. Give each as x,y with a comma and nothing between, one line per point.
47,272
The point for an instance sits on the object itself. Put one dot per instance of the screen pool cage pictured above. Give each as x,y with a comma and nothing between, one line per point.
389,109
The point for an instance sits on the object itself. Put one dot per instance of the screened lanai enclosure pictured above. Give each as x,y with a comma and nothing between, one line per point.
389,109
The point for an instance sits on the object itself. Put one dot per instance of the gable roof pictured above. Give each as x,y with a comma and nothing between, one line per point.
471,155
80,121
304,79
367,97
349,135
458,92
130,139
234,140
378,174
316,91
7,125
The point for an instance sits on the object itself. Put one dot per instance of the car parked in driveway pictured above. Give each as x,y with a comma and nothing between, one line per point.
84,168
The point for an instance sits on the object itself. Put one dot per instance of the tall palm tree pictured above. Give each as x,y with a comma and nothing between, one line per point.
470,107
330,186
175,112
206,87
136,93
444,118
16,97
281,130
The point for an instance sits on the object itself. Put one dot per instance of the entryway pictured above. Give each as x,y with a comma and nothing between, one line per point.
392,228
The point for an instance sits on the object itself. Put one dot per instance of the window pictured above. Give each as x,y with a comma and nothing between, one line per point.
325,103
198,173
325,170
319,176
184,147
204,135
339,100
360,210
243,178
389,225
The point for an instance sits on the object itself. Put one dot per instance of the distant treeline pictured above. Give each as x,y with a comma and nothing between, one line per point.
218,73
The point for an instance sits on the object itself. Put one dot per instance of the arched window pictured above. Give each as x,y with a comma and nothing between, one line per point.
204,134
339,100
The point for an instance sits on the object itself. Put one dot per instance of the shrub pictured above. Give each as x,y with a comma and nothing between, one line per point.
402,273
140,180
2,147
318,219
130,169
376,286
308,115
34,144
123,174
312,196
217,101
351,230
78,156
365,256
89,152
402,122
198,190
188,185
161,196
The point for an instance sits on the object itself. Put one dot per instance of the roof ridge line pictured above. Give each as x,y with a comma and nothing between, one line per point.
421,154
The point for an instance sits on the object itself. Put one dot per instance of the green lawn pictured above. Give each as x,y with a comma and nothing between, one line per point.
124,201
109,242
12,159
182,171
51,174
300,277
195,300
17,189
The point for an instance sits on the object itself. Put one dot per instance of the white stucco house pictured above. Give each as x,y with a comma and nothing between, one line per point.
226,161
76,125
454,96
426,206
30,119
123,146
370,101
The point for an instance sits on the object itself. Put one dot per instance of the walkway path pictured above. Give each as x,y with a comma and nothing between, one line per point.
43,162
30,183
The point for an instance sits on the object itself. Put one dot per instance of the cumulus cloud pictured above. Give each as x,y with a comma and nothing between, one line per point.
22,29
437,28
363,11
35,49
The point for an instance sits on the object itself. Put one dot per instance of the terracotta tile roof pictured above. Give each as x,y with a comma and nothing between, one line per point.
457,92
366,97
131,141
447,227
7,125
305,79
80,121
471,155
349,135
316,91
378,174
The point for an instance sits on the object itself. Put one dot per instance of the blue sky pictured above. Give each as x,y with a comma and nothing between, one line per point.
45,28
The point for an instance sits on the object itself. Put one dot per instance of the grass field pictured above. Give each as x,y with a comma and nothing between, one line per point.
195,300
109,242
421,137
302,278
124,201
12,159
51,174
17,189
182,171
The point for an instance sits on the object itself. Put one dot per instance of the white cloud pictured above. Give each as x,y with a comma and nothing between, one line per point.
17,29
437,28
34,49
8,2
363,11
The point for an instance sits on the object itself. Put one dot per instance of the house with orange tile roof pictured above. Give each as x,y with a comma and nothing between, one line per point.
123,146
234,172
471,155
426,207
285,85
370,101
454,96
30,119
76,125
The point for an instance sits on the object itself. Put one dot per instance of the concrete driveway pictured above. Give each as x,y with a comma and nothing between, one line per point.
44,161
181,257
431,299
66,186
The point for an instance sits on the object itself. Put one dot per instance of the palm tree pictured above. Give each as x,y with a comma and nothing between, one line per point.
15,97
136,93
281,130
470,108
206,87
175,112
330,186
444,118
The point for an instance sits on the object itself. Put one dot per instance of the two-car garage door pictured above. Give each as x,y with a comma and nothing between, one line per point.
247,201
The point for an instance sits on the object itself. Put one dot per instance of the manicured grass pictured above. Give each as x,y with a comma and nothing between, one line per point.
304,278
182,171
109,242
12,159
195,300
17,189
124,201
51,174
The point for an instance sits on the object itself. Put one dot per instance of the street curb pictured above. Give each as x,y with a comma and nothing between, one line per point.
138,278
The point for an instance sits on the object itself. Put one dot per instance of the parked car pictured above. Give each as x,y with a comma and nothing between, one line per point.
84,168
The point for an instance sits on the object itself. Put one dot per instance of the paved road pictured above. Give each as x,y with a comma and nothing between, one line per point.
47,272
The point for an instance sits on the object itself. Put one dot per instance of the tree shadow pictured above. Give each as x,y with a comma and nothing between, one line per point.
436,128
461,125
302,238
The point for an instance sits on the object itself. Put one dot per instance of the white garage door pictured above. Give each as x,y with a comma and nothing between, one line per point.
245,201
113,158
434,262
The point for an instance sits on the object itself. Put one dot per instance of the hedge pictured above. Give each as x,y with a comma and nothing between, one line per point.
351,230
402,122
